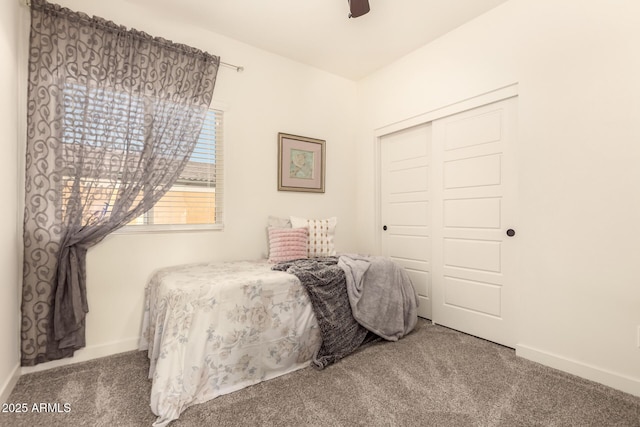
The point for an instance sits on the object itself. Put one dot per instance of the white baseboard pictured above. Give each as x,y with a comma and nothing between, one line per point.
87,353
611,379
9,384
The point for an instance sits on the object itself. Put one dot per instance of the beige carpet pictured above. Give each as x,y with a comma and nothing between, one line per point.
433,377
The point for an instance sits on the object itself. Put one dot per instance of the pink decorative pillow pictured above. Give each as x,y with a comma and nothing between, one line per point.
286,244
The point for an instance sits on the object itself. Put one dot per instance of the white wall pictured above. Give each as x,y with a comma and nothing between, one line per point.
577,64
9,231
272,95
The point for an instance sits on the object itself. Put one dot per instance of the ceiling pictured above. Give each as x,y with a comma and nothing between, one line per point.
319,32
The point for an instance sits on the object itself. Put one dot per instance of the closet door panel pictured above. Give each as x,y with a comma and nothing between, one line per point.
473,205
405,169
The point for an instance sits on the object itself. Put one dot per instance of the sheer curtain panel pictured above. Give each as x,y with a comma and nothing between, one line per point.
113,117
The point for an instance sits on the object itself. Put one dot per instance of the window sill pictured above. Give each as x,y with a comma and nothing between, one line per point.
147,229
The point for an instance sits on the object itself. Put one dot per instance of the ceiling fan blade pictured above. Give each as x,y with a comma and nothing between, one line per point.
358,8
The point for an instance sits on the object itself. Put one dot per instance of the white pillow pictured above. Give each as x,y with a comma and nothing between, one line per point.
321,234
278,222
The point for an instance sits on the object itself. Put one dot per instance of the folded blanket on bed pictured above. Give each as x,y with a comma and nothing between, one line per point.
381,294
325,283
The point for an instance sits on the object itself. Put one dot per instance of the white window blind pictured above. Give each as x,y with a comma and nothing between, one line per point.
194,201
196,198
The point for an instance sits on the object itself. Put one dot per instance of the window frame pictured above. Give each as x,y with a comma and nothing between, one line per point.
169,228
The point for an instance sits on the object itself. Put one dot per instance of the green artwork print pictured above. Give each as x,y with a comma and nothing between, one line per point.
301,165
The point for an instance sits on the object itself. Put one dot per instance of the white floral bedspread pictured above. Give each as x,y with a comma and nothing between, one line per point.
211,329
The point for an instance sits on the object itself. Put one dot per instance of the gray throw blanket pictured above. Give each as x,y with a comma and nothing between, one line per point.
381,294
325,283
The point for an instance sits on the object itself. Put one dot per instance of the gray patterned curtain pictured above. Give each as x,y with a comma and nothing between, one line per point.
113,116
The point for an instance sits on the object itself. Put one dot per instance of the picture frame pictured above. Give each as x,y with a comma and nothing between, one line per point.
301,163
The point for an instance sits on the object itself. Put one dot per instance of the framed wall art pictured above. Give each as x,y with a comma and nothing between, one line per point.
301,163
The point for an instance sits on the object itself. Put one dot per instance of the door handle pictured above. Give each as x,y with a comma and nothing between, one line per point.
511,232
384,227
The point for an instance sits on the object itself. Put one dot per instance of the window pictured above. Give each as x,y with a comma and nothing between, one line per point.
94,149
196,198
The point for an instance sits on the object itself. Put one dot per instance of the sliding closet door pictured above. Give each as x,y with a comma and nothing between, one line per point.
474,232
405,158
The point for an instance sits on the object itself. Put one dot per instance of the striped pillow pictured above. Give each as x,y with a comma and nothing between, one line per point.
286,244
321,232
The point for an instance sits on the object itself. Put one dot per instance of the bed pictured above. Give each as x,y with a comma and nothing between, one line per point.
213,328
